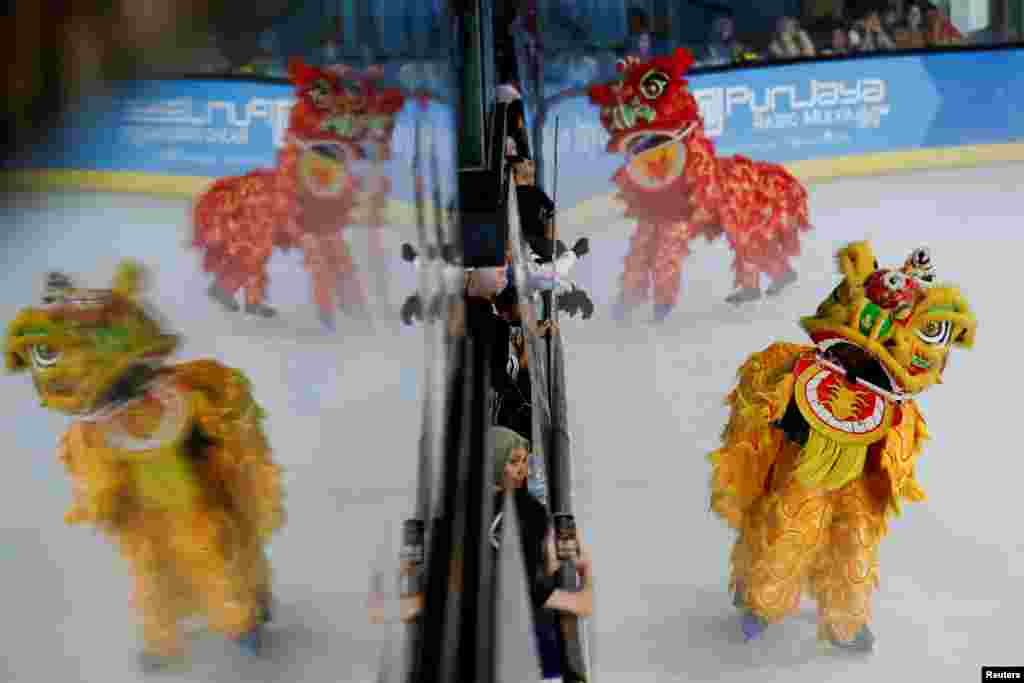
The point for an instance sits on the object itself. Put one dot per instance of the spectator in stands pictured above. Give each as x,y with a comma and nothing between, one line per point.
206,58
722,48
869,35
267,62
330,47
836,39
790,40
910,33
825,9
565,22
892,17
640,42
939,29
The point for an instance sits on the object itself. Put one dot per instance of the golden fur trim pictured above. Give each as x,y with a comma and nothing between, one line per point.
901,449
240,458
750,443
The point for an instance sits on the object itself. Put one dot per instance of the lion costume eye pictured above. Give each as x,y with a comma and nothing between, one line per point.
319,92
922,257
936,332
895,281
653,84
44,356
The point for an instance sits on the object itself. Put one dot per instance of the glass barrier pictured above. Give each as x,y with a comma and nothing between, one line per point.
266,218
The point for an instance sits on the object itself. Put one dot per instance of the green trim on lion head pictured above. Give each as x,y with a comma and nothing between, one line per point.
81,343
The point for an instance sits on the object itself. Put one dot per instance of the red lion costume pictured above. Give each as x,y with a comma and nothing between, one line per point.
677,189
306,199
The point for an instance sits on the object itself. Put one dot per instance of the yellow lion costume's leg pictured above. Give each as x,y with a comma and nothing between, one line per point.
240,469
184,564
254,565
780,525
847,573
782,536
206,548
157,596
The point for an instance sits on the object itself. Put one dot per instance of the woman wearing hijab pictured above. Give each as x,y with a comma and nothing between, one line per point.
511,469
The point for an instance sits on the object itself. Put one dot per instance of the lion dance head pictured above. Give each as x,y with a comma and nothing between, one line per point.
649,112
893,327
352,105
86,348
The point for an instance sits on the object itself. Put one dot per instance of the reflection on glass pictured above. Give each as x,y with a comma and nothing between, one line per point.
341,118
730,33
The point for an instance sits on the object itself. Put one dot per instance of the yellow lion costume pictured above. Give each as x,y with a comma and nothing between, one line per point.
170,461
823,440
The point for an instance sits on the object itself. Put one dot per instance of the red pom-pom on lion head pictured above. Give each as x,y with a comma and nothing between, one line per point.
318,86
649,104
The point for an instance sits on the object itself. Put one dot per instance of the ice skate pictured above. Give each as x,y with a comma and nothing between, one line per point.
252,642
267,609
737,597
783,281
752,625
661,312
744,296
217,293
328,321
412,309
151,663
261,310
351,300
863,642
622,312
357,310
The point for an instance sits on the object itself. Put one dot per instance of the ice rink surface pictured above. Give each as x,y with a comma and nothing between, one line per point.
646,408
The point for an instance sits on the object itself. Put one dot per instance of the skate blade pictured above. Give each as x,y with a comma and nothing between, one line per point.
153,665
738,300
830,649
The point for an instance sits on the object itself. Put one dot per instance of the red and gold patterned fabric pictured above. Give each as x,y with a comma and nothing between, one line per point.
677,188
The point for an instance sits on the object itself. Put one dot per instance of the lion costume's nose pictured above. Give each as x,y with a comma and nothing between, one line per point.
890,289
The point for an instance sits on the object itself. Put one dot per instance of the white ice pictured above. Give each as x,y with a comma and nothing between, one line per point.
646,409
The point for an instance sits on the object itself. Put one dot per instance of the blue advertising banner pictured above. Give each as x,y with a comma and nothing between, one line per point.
822,110
207,129
188,128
